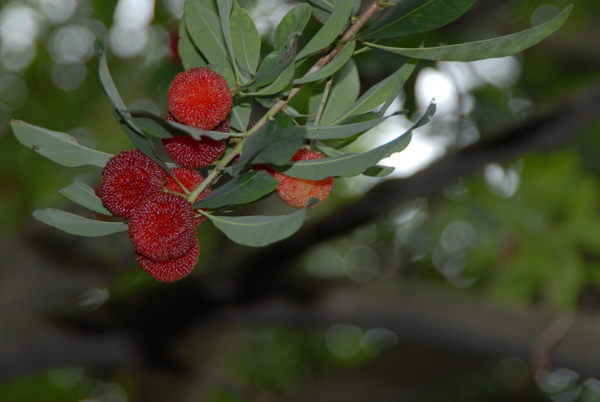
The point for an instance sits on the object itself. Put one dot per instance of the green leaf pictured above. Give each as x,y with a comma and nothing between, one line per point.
85,196
133,132
77,225
291,26
414,16
189,53
379,171
246,40
331,68
273,66
322,9
258,231
239,119
145,145
330,31
105,77
342,131
58,147
280,83
380,92
163,128
485,49
344,91
204,27
353,164
240,190
275,143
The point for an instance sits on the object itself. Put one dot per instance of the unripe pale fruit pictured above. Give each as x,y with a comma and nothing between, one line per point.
173,269
128,179
162,227
296,192
199,97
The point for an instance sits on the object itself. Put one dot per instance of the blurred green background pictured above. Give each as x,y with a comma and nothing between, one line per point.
482,287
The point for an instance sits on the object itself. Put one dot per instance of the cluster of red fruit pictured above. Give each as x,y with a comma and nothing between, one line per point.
162,220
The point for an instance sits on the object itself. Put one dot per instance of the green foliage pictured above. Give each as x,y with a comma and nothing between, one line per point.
58,147
497,47
415,16
222,35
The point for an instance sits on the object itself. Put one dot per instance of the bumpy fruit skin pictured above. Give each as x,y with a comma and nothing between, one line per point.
128,179
191,153
162,227
296,192
199,97
170,270
190,179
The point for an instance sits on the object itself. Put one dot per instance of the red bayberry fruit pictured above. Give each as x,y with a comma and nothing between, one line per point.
190,179
222,127
128,179
173,269
296,192
199,97
191,153
162,227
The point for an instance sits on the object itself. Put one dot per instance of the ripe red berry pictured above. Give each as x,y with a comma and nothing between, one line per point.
190,179
296,192
128,179
199,97
173,269
162,227
191,153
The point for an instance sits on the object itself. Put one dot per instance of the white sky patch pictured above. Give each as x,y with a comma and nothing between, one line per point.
420,153
175,7
19,28
57,11
438,85
129,35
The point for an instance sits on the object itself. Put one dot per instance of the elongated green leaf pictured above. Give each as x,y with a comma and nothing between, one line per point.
205,29
77,225
344,91
85,196
379,171
163,128
189,53
241,110
136,136
246,40
322,9
273,66
240,190
485,49
380,92
342,131
353,164
58,147
105,77
331,68
141,142
280,83
330,31
258,231
291,26
224,7
414,16
276,143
